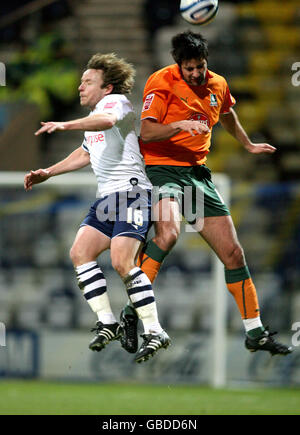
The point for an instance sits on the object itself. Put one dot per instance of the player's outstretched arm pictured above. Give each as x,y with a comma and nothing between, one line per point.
231,123
100,121
152,131
76,160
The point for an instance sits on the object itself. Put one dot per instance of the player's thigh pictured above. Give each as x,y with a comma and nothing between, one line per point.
167,219
220,233
89,243
167,210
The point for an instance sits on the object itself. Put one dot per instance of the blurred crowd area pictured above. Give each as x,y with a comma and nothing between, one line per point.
254,44
44,46
38,286
36,53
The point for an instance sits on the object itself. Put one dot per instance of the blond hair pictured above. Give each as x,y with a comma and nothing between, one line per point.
116,72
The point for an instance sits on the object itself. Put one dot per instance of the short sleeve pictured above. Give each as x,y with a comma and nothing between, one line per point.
229,101
156,96
154,107
116,104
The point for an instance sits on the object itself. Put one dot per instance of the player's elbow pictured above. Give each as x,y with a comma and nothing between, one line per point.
147,133
146,138
104,121
109,123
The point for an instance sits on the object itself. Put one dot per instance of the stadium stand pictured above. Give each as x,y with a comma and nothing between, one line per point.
255,55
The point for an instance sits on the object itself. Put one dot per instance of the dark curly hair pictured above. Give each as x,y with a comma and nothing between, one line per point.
189,45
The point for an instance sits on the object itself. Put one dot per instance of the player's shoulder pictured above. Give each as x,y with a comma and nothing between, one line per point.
112,98
169,70
216,79
164,77
112,101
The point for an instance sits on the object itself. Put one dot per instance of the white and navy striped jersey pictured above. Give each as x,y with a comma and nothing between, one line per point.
114,153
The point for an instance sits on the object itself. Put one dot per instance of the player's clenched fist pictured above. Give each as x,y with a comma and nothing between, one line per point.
35,177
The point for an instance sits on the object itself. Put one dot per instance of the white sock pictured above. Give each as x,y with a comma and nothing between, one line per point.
106,318
93,285
252,323
140,292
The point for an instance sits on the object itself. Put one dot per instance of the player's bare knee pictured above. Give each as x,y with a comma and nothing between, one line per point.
235,257
167,239
78,257
122,265
116,264
73,255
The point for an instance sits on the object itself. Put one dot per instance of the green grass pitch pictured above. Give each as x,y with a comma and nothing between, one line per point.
56,398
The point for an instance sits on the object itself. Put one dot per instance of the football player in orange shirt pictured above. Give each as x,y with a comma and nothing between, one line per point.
182,102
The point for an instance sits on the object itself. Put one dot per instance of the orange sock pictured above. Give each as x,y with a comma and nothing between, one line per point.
149,266
151,259
241,286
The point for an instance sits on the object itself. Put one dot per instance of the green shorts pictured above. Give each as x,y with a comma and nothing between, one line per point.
191,186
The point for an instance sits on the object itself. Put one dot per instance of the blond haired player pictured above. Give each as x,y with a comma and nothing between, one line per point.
120,218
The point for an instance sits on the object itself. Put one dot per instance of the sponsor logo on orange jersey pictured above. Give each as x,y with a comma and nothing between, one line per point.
148,102
204,119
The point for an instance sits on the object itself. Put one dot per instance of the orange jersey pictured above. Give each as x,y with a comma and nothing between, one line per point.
168,98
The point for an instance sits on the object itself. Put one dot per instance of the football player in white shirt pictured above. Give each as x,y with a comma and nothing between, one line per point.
120,218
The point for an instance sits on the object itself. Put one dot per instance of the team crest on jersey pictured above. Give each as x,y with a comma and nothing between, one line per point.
134,181
148,102
204,119
213,100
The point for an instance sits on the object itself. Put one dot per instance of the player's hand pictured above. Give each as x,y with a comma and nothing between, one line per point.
35,177
192,127
259,148
50,127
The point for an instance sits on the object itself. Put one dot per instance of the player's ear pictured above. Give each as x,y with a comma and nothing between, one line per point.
109,89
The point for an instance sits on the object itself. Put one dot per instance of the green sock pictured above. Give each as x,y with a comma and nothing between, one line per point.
255,333
153,251
128,306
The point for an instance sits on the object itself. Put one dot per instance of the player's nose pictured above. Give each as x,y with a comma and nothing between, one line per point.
196,74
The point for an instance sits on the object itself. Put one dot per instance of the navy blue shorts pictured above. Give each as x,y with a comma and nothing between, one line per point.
122,214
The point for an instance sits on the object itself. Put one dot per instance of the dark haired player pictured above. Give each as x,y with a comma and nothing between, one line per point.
176,99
